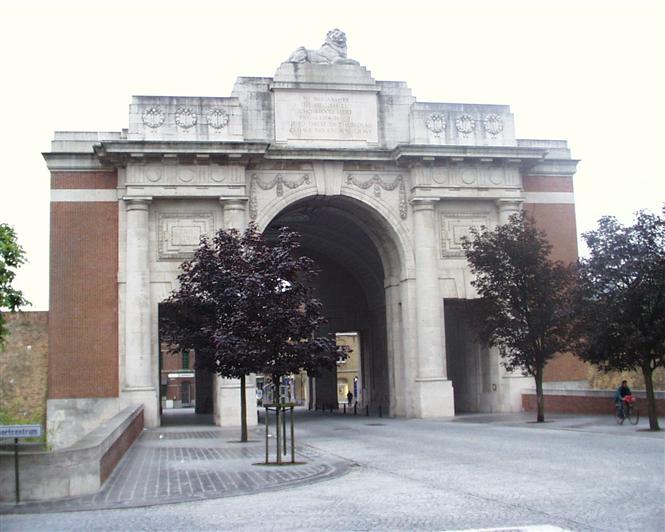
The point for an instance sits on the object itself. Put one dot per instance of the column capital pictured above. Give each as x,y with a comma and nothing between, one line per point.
233,200
421,203
137,203
510,203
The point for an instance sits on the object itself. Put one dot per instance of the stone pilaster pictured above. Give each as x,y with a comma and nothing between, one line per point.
235,213
139,375
508,207
511,383
435,391
226,395
138,362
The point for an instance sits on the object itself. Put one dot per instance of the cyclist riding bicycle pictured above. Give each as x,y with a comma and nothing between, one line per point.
622,391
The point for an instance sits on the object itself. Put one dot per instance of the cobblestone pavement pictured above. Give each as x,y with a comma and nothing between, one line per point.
176,464
477,472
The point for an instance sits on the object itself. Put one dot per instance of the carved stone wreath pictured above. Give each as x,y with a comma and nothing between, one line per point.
376,183
218,118
465,124
436,123
185,118
493,124
277,182
153,117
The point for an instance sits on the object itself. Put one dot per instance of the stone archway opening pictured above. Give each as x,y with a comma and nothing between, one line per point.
355,256
185,391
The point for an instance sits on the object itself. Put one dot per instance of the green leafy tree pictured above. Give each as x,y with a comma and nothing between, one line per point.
524,308
11,258
246,305
620,302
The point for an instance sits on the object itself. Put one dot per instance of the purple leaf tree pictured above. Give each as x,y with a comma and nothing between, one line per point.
246,305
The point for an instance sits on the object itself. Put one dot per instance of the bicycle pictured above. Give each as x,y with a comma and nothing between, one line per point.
627,410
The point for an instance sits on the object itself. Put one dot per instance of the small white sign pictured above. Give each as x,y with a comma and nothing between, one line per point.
181,375
20,431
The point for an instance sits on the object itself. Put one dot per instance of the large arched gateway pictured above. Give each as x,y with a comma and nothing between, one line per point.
382,188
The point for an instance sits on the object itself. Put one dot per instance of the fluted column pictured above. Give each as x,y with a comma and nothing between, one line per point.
138,352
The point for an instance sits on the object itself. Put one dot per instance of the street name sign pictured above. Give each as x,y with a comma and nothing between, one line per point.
20,431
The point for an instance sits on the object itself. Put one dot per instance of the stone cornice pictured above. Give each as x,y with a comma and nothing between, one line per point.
410,153
429,152
119,152
74,162
553,167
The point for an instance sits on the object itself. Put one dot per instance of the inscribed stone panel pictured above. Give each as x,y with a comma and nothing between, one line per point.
325,116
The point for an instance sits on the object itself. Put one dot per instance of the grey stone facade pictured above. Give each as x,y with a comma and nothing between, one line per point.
381,186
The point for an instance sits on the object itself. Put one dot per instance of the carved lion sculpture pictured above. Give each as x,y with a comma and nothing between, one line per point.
333,51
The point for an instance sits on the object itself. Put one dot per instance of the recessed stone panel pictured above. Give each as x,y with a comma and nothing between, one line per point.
456,226
180,234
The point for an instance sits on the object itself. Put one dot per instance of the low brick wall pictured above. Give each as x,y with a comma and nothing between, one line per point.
80,469
586,401
119,448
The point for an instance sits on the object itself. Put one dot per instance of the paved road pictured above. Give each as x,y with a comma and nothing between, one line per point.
475,472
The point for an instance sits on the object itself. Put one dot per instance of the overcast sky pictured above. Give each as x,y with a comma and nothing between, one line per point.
590,72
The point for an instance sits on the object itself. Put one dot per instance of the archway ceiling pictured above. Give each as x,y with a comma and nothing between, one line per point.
338,232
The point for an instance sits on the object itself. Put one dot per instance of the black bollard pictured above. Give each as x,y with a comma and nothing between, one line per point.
284,428
355,409
367,410
344,410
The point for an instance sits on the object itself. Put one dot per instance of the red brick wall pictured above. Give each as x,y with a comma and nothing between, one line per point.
580,404
558,222
556,219
565,367
83,180
173,363
119,448
541,183
83,322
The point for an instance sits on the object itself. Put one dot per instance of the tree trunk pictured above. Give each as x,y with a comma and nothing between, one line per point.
540,397
243,410
647,371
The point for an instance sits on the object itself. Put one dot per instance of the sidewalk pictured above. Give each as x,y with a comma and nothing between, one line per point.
575,422
195,462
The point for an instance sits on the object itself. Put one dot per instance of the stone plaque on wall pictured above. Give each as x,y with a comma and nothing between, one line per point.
456,226
306,116
179,234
